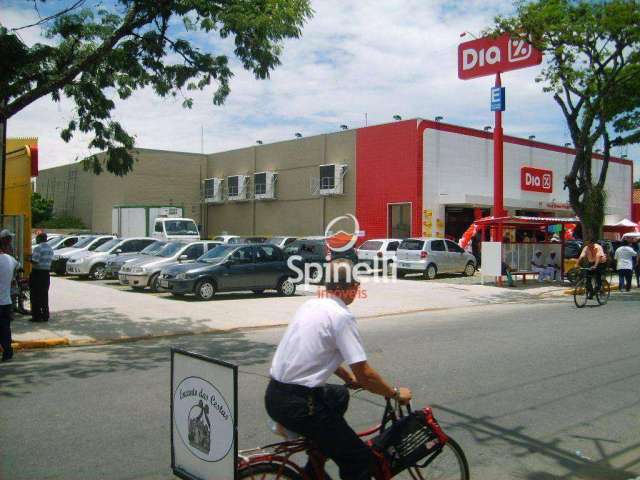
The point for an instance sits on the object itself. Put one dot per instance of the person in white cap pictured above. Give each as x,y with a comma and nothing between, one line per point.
537,265
8,266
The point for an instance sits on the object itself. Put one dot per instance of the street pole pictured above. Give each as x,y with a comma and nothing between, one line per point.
3,158
498,170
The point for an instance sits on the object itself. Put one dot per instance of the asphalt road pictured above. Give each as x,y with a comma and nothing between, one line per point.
538,392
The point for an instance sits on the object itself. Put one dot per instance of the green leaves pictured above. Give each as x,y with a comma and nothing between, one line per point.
104,54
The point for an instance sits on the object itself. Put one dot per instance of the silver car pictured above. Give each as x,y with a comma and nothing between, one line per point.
93,264
85,243
116,261
145,272
431,256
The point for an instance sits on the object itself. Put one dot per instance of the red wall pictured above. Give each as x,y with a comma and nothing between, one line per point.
389,170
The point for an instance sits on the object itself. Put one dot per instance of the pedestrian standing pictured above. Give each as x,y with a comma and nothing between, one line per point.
8,266
624,264
636,248
39,280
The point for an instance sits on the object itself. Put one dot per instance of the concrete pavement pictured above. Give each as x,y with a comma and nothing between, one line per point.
85,312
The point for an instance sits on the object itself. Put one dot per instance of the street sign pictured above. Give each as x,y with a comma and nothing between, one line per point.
497,99
488,56
204,417
536,180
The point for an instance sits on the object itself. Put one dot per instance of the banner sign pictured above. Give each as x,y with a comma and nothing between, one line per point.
204,417
488,56
536,180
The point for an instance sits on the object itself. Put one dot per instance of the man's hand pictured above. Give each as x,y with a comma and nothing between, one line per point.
404,395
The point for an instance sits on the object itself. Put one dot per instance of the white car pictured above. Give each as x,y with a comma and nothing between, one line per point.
282,242
224,238
378,251
85,243
431,256
93,264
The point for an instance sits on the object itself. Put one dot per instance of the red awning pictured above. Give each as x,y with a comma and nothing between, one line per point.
524,221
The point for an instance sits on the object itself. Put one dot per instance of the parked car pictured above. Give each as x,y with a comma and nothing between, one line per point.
224,238
379,251
145,272
63,241
246,240
85,243
167,228
281,242
93,264
50,238
231,268
315,250
431,256
117,260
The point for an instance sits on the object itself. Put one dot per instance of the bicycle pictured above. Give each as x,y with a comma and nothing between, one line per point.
581,290
445,458
21,294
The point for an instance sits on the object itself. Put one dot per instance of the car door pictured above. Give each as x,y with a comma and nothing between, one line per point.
192,252
456,257
268,265
438,255
239,271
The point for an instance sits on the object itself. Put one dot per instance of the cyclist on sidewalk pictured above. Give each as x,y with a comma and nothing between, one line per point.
321,337
595,256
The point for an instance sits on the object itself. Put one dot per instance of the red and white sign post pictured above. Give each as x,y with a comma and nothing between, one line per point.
489,56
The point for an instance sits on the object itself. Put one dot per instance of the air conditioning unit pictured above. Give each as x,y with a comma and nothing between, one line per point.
212,190
238,188
264,185
332,179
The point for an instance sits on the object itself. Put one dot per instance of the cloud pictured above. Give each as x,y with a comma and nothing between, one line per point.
377,58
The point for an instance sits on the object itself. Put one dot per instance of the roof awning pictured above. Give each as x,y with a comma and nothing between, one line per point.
517,221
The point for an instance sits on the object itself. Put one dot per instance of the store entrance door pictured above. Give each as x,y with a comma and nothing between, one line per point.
399,216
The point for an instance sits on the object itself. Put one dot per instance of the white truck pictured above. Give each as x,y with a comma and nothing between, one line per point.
175,229
161,222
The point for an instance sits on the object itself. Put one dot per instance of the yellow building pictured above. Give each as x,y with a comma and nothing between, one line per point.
22,165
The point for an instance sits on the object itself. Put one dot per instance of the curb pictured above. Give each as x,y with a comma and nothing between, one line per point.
46,343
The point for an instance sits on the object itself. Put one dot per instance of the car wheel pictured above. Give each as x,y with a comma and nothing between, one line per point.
470,269
431,272
98,272
154,282
286,287
205,290
258,291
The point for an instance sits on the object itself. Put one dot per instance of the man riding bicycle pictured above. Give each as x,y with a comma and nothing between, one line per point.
321,337
595,256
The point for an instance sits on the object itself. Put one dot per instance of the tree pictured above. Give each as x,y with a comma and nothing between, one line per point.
100,54
41,209
592,68
636,184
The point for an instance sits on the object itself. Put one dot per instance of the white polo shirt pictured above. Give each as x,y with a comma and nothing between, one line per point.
8,266
322,335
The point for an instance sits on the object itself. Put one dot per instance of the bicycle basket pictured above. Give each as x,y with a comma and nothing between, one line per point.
409,440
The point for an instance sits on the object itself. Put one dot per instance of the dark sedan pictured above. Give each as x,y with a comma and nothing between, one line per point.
229,268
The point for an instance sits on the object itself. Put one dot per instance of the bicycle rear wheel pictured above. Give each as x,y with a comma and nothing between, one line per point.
605,292
449,464
580,293
267,471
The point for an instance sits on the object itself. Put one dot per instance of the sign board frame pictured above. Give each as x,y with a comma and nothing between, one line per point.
177,466
491,260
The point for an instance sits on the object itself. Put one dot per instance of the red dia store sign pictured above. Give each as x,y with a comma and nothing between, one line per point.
488,56
536,180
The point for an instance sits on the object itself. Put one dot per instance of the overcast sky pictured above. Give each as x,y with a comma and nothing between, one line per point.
356,60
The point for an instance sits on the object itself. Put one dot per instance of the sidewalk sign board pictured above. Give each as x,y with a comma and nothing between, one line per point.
204,417
491,260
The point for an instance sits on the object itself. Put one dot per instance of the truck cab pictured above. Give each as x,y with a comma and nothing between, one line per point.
169,228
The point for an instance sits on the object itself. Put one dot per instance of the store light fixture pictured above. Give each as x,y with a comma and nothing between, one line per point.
397,117
439,118
259,142
344,127
487,128
532,137
298,135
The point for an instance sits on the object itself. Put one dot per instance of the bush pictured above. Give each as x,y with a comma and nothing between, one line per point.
41,209
64,221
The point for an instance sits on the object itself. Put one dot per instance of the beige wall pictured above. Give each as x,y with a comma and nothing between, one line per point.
296,210
158,178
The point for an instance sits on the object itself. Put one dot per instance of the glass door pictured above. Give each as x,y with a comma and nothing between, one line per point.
399,220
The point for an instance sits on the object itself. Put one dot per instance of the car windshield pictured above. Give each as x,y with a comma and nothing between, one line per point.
83,242
237,240
180,227
411,245
276,240
219,239
153,248
170,249
300,246
217,254
105,247
371,245
54,242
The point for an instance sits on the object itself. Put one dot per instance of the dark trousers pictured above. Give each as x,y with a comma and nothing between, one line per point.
638,273
39,288
625,276
597,276
318,415
5,331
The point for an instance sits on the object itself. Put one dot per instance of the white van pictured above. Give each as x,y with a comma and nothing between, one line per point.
166,228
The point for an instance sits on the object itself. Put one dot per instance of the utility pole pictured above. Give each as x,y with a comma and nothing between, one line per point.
3,155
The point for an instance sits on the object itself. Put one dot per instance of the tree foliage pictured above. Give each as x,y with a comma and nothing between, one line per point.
592,69
99,54
41,209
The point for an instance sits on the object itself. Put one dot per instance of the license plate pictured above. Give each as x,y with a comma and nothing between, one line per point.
404,265
164,283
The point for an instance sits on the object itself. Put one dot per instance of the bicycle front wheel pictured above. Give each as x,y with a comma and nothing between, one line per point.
449,464
605,292
580,293
267,471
